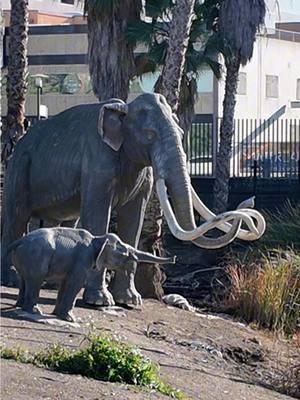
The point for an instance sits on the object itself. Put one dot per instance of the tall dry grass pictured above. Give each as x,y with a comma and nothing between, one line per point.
264,280
267,291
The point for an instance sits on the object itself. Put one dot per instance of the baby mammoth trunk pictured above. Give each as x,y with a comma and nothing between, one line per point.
142,256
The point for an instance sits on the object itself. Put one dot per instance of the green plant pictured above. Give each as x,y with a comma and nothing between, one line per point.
267,290
102,358
18,354
283,227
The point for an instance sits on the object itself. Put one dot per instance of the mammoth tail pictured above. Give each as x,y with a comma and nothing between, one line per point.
12,247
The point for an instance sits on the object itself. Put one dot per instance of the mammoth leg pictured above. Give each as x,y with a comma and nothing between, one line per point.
32,291
68,291
12,229
21,295
130,222
95,216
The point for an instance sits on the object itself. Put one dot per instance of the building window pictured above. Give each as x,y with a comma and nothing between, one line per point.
242,84
298,90
68,1
272,86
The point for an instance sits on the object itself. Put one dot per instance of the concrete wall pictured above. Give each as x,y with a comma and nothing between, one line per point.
271,57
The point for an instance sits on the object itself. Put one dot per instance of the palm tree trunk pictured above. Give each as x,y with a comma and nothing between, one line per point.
169,85
1,61
16,76
111,61
186,107
178,41
221,186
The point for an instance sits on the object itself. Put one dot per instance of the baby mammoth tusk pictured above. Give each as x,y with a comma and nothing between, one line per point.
225,226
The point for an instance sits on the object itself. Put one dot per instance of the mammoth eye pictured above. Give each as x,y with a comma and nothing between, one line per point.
150,134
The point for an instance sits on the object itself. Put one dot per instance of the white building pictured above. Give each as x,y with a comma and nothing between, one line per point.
57,7
270,83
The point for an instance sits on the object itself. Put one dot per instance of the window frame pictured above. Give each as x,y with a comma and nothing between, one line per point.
269,93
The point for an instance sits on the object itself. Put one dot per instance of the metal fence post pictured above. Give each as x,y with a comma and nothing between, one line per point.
254,167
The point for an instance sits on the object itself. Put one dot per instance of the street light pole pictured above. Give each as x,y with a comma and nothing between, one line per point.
39,86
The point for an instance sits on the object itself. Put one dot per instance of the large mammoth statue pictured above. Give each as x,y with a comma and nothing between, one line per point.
92,158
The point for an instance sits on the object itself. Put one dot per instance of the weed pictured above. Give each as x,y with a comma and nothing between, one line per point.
283,228
267,291
103,358
18,354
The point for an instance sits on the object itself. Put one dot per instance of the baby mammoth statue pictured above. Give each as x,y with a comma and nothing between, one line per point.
67,255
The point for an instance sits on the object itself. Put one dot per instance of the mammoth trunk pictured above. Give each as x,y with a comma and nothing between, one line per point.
181,199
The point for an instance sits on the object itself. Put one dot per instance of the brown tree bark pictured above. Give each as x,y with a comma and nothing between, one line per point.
169,85
16,76
221,185
111,61
178,41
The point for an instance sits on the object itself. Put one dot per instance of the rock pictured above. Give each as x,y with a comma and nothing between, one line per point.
176,300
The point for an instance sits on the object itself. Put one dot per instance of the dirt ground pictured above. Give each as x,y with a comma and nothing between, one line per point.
206,356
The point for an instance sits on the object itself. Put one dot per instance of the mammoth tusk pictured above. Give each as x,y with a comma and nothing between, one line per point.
251,234
178,232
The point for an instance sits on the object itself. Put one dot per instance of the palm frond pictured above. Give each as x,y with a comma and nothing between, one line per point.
139,32
239,21
157,52
198,29
100,8
156,8
144,65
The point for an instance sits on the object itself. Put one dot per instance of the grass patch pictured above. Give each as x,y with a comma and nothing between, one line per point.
102,358
283,228
262,282
267,291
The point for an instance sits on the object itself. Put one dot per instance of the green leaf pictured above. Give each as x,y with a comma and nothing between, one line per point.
144,64
100,8
139,32
156,8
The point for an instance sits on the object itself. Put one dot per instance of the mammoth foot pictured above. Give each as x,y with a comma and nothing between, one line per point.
66,316
128,296
32,310
98,297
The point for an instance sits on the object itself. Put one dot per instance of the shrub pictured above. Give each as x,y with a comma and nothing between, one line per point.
267,291
283,228
103,358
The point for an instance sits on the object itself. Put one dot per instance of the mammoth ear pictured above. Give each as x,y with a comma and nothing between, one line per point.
110,124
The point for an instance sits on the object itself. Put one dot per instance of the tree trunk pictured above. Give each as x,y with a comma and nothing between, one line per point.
221,186
169,85
178,41
16,76
1,62
186,107
111,61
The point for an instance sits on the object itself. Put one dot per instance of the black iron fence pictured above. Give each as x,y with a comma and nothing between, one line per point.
199,147
260,148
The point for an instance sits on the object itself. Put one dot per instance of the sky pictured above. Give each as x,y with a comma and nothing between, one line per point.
289,11
290,6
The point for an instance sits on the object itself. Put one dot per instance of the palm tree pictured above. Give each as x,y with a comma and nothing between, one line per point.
111,60
16,76
202,51
238,23
179,34
1,58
